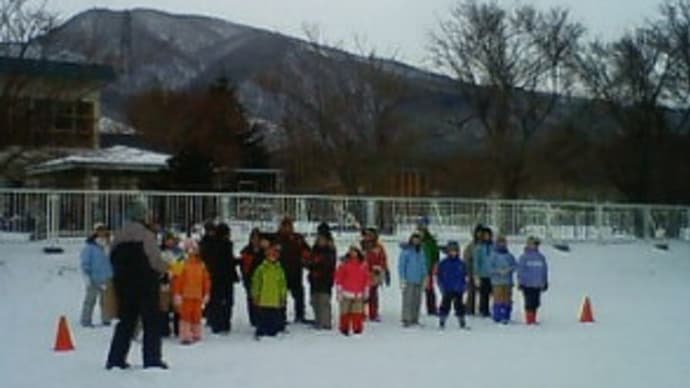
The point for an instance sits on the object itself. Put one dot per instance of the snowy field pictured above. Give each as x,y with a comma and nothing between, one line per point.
641,337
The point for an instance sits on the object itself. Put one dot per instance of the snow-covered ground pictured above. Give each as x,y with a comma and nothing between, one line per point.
641,337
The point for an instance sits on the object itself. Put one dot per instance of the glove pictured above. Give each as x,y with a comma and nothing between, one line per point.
387,278
546,287
204,302
177,300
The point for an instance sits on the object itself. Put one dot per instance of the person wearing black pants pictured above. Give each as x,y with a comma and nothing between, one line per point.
137,269
221,265
452,279
293,253
485,289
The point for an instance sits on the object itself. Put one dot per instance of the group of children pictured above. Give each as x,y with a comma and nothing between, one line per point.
487,265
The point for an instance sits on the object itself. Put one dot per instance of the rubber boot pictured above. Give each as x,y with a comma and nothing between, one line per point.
357,323
345,324
496,312
506,313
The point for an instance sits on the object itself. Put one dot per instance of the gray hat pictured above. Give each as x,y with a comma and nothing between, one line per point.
137,210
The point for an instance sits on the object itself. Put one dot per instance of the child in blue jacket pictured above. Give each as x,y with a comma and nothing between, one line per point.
452,274
532,278
502,267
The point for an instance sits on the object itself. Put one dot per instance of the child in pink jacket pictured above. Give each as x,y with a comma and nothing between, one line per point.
352,285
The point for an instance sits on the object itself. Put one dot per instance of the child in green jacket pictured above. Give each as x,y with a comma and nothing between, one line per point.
269,293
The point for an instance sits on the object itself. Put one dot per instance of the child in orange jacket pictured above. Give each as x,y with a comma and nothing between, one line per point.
192,288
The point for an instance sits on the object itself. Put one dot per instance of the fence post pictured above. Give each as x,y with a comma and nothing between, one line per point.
549,214
493,217
371,213
600,222
647,222
225,208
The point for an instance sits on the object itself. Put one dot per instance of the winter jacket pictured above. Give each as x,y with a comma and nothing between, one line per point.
269,286
502,265
294,251
193,282
482,259
412,265
137,263
431,250
352,279
95,263
250,259
377,261
220,261
452,275
321,265
532,269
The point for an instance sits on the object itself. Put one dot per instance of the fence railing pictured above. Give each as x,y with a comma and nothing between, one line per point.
47,214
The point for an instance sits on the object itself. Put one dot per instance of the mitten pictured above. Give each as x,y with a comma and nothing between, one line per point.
388,278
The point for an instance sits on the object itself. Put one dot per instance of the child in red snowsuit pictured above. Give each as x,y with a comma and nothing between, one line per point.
377,262
352,282
192,289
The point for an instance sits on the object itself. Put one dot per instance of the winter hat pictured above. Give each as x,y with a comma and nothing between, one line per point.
453,246
533,240
98,226
190,245
137,210
424,221
223,230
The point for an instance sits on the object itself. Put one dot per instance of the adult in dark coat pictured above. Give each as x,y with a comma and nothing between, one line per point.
251,256
221,263
294,250
137,270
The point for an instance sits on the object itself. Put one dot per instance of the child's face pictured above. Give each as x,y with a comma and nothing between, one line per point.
170,243
453,252
272,254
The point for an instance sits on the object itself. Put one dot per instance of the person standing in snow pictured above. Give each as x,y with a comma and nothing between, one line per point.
412,272
452,278
468,258
174,256
377,261
321,266
269,293
432,254
482,275
294,250
98,272
137,269
251,256
191,290
532,273
352,282
502,266
221,264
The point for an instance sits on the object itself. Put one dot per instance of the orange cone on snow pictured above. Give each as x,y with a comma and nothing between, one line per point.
586,314
63,341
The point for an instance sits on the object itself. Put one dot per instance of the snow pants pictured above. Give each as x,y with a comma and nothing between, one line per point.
532,296
411,303
269,321
484,295
321,303
93,293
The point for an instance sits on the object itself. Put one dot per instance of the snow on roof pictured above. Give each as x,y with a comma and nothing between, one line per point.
120,158
108,126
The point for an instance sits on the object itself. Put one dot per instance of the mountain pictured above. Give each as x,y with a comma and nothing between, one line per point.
150,48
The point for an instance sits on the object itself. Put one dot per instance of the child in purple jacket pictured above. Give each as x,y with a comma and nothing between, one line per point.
532,278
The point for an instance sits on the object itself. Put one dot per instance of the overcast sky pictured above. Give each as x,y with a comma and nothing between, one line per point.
399,26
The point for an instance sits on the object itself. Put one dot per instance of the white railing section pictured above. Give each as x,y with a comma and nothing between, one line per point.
50,214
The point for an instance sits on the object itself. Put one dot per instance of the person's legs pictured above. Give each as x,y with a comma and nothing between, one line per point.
92,293
484,294
471,297
459,308
357,316
430,292
416,303
297,292
374,303
128,312
444,309
150,315
406,310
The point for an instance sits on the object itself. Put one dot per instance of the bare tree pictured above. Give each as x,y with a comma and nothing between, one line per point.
342,113
512,68
22,23
641,84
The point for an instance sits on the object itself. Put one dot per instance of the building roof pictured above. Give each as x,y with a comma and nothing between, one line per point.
116,158
55,69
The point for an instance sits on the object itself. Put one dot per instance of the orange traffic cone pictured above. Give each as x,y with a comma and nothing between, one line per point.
586,314
63,341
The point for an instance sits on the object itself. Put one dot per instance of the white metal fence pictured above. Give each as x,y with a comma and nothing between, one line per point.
47,214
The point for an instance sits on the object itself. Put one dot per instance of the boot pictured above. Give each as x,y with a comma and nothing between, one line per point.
461,321
345,324
534,318
442,322
530,317
507,312
496,312
357,323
